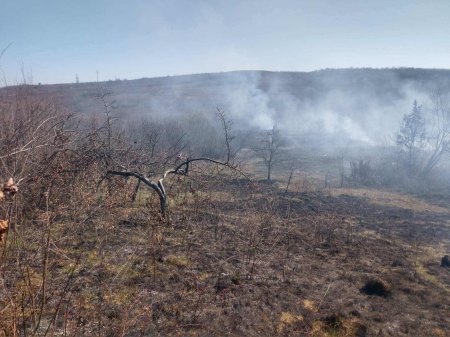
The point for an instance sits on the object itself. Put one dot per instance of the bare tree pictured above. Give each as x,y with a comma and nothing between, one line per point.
269,148
425,141
138,168
226,127
438,141
341,170
412,135
294,167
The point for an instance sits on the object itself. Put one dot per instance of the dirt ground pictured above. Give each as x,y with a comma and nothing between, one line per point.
242,258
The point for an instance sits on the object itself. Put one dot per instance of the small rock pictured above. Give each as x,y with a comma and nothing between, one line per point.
224,282
398,263
445,262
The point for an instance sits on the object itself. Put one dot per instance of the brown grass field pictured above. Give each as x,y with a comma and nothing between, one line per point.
238,258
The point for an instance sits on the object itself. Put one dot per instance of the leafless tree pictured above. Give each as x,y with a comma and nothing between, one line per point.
424,140
438,140
138,167
226,127
269,148
412,135
294,169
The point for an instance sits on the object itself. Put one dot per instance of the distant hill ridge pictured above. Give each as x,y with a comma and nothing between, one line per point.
356,101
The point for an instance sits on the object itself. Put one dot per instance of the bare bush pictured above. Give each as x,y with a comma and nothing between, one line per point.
361,172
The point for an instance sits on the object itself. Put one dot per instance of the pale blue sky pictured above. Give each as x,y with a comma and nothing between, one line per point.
52,40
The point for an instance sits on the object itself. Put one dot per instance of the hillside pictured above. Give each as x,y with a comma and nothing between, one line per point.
161,228
363,104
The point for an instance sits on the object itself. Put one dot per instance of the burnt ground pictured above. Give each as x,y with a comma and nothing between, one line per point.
250,260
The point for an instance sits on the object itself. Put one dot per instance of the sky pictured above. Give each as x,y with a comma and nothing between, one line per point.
53,41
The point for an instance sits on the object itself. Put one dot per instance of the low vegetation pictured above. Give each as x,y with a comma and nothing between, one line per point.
123,228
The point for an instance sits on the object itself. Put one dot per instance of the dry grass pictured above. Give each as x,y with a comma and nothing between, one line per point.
390,199
428,256
230,263
178,260
337,327
287,319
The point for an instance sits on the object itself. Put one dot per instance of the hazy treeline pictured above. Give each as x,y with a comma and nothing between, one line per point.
343,113
357,104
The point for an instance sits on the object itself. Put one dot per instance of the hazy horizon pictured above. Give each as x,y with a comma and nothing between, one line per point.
54,42
223,72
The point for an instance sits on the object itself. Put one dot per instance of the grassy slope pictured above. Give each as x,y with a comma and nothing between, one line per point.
250,260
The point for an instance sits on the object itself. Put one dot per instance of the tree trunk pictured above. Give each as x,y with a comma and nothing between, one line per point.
342,172
164,205
135,192
269,171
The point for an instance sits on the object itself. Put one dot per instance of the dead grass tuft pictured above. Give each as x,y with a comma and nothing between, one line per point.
287,319
338,326
178,260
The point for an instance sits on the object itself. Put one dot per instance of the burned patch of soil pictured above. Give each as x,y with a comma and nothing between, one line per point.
376,288
406,224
